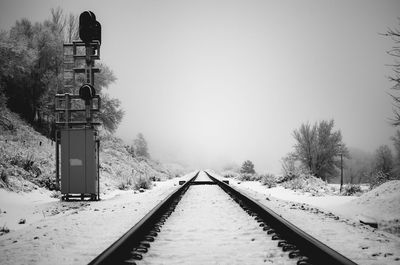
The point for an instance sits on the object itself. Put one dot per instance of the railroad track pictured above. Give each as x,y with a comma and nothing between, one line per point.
273,233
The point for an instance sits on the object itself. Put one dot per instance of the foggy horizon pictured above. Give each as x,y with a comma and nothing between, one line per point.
211,83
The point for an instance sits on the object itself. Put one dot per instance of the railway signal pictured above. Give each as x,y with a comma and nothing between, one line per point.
76,137
89,27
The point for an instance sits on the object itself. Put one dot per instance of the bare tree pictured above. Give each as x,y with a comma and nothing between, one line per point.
396,143
318,148
394,34
71,28
359,167
57,20
289,164
383,161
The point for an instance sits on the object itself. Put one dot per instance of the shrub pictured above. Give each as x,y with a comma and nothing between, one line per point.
379,179
47,181
142,183
5,123
4,179
249,177
27,163
230,174
170,175
268,180
287,177
15,160
155,178
294,184
125,183
307,183
256,177
245,176
4,230
351,189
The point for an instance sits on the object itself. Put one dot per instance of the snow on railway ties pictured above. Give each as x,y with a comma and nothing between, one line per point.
207,227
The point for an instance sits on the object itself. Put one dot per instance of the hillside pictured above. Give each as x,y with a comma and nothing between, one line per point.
27,160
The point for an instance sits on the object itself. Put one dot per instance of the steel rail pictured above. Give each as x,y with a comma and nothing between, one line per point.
116,253
315,250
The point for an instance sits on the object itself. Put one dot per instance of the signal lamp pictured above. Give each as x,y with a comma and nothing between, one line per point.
87,92
89,27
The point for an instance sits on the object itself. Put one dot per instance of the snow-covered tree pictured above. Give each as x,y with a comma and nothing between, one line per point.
140,145
31,71
247,167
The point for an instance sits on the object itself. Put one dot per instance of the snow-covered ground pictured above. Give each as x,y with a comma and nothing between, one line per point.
58,232
334,220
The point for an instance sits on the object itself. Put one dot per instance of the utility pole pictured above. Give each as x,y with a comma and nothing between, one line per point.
341,171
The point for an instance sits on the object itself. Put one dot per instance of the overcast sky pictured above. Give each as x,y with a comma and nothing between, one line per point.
213,82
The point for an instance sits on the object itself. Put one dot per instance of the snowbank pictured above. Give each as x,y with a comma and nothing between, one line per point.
324,218
327,202
381,204
383,201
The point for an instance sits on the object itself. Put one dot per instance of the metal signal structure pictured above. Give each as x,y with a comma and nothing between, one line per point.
76,128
